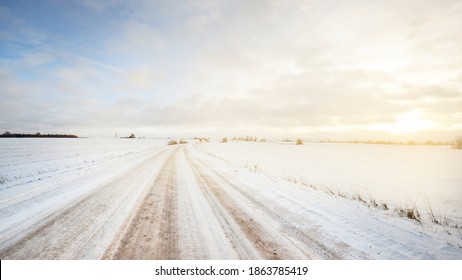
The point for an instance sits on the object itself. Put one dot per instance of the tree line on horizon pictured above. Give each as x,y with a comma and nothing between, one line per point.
8,134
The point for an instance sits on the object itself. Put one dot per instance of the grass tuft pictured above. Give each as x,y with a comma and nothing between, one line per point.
172,142
410,213
373,203
432,216
359,198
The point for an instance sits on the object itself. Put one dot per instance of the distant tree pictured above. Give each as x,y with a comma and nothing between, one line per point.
7,133
457,143
172,142
38,134
224,140
299,142
410,142
132,136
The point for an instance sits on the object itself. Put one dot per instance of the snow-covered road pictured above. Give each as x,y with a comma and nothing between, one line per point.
179,202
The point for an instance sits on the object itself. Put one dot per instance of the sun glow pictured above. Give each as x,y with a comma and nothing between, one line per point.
410,122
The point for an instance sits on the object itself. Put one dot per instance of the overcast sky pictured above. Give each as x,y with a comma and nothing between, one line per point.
325,69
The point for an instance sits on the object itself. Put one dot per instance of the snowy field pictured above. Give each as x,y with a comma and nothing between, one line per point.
142,199
423,177
25,160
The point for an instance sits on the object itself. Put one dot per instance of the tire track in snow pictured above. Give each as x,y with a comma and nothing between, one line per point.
152,231
201,217
242,246
241,224
311,246
297,238
84,229
268,246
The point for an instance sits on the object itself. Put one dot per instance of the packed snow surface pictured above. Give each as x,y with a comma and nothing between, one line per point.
142,199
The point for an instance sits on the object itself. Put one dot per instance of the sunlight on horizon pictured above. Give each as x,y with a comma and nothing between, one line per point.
409,122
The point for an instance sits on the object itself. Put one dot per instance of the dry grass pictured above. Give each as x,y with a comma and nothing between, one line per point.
457,143
433,216
409,212
359,198
373,203
172,142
